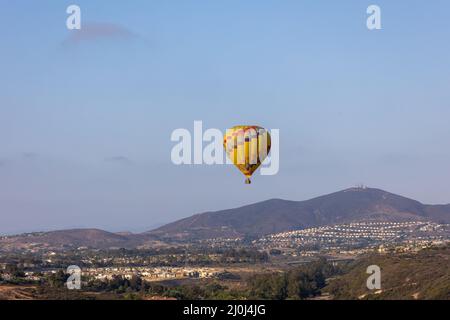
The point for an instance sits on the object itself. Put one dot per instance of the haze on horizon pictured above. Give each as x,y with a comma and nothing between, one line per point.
85,120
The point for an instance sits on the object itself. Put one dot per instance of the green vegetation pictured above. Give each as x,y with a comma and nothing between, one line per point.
244,255
422,275
299,283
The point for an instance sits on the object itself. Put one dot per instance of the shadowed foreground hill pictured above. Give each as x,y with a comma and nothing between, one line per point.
276,215
425,275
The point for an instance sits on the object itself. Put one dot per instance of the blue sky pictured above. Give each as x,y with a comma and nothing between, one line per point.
85,120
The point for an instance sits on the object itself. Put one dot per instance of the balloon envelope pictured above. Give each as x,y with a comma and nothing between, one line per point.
247,147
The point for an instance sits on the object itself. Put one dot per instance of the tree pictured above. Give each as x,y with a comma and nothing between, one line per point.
58,279
14,271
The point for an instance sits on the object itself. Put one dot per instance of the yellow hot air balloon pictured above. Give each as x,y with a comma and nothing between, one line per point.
247,147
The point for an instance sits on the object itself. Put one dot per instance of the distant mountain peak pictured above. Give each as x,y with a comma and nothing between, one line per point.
277,215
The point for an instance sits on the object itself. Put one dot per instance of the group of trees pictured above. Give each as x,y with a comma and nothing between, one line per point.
118,284
14,271
135,287
244,255
299,283
12,274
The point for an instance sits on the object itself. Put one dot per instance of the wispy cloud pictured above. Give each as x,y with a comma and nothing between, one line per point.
29,155
95,31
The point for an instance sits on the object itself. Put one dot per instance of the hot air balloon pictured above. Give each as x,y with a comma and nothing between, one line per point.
247,147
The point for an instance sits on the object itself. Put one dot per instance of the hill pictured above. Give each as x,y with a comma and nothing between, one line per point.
422,275
67,238
272,216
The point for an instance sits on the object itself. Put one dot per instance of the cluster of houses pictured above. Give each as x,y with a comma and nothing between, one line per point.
152,274
370,233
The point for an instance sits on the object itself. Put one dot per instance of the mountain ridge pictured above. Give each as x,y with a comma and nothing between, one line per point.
252,220
277,215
